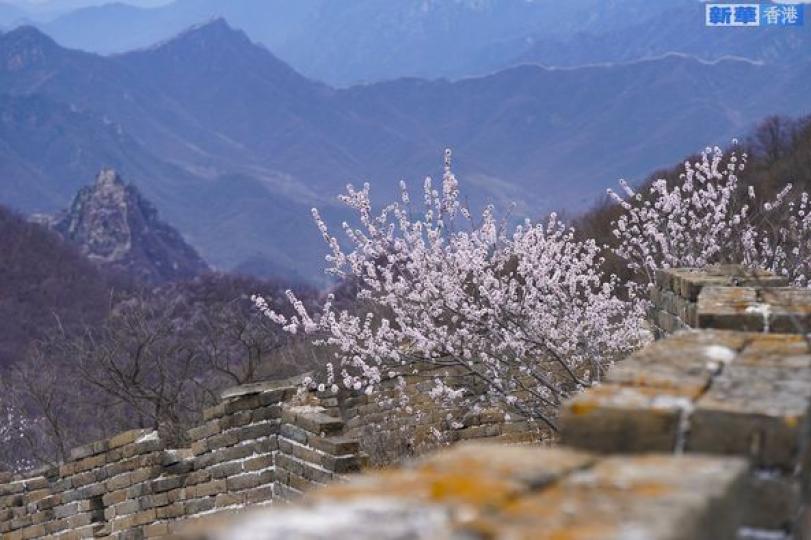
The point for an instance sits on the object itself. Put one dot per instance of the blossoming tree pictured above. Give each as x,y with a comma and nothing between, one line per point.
709,217
525,312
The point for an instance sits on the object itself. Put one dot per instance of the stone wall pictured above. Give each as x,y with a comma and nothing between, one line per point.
420,423
676,295
263,443
703,434
256,447
712,392
486,491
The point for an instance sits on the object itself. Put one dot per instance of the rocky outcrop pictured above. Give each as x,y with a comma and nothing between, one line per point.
115,227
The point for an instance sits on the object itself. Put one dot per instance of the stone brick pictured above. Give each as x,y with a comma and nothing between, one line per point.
214,412
165,484
170,511
316,422
276,396
228,454
266,412
254,388
128,437
246,481
613,418
293,433
772,501
212,427
260,494
87,450
210,488
223,439
144,517
258,463
241,403
229,499
760,412
336,446
66,510
197,477
222,470
199,505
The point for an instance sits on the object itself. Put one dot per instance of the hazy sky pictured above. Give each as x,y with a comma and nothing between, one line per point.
85,2
66,5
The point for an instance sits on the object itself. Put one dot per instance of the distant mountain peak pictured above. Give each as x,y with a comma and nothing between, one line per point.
215,31
214,24
109,179
114,226
28,32
24,46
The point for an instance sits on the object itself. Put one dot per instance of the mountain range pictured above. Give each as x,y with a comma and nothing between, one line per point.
344,43
363,40
234,146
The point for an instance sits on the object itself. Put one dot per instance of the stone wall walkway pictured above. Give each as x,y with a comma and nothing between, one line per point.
704,434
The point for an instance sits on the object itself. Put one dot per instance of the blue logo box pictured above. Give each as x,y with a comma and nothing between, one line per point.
754,15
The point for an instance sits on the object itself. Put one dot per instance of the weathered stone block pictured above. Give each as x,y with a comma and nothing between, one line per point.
210,488
229,499
293,433
197,506
212,427
613,418
760,412
772,501
226,469
258,463
128,437
335,445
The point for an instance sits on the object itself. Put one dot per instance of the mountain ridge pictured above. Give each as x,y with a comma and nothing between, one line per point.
234,146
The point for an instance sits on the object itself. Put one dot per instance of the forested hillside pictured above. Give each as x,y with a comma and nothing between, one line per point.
45,284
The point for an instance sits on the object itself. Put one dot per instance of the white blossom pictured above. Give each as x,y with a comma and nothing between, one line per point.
707,217
527,312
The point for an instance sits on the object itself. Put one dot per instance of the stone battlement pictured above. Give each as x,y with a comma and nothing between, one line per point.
701,435
711,392
264,443
255,447
492,491
728,297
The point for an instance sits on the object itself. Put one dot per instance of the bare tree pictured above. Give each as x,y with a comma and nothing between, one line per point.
774,137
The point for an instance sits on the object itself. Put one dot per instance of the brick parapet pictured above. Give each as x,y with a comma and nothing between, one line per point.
727,297
255,447
712,392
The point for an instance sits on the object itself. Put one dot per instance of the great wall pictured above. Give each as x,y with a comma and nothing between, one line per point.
704,434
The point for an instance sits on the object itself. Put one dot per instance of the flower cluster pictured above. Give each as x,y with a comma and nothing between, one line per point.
708,217
525,312
782,244
12,431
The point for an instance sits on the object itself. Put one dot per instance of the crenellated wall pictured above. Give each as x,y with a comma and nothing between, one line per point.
419,422
713,392
724,296
703,434
256,447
